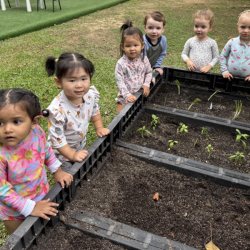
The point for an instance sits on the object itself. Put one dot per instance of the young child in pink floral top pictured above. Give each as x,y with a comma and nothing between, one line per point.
24,153
133,70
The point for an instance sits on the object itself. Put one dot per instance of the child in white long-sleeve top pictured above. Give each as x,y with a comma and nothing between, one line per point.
235,57
200,52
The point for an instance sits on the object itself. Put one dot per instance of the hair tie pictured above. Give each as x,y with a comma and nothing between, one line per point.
41,113
56,60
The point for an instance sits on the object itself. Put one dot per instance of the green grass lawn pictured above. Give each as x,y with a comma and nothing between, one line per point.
16,20
97,37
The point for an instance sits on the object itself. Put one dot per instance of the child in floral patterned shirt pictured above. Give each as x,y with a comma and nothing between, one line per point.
235,57
24,153
133,70
71,110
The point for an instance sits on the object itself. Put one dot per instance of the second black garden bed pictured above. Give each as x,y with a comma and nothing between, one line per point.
187,210
221,106
223,142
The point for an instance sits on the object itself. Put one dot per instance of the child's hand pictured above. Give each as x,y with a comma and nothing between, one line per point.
80,155
206,68
228,76
159,70
44,207
153,80
146,90
131,98
247,78
191,65
61,177
102,132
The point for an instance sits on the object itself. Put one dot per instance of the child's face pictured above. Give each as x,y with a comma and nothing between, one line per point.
201,28
154,29
75,85
15,125
132,46
244,28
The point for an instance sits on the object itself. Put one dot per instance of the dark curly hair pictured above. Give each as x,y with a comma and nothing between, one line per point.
24,99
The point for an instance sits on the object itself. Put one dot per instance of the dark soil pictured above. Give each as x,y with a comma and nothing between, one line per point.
72,239
223,142
225,108
186,212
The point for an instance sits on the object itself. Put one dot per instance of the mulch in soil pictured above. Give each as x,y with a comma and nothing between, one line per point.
221,107
188,208
223,142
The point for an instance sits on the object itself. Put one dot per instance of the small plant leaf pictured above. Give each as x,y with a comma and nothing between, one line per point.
244,145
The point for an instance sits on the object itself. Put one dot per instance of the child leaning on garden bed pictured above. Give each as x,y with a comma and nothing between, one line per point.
133,70
72,108
235,57
200,52
24,153
155,42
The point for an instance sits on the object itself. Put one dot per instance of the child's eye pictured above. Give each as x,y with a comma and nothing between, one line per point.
84,79
243,27
71,80
203,27
17,122
1,123
196,26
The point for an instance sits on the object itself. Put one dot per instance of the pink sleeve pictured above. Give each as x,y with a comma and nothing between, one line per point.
224,56
8,196
148,73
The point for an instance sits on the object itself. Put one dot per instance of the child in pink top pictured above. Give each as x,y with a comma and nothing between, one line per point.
24,153
133,70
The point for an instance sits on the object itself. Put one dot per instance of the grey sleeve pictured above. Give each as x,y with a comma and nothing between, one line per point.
215,54
186,50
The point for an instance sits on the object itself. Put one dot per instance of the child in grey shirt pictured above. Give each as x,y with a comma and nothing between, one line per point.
202,50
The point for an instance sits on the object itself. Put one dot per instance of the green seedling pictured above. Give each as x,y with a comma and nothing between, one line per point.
154,121
238,107
165,101
217,91
238,157
143,130
248,98
171,143
195,142
209,148
178,86
182,128
239,136
196,100
204,131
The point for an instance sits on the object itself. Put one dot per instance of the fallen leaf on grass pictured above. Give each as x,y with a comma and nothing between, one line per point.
211,246
15,73
45,99
156,197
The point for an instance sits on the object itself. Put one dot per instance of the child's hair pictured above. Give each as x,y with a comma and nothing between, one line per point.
67,63
207,14
24,99
245,12
157,16
127,29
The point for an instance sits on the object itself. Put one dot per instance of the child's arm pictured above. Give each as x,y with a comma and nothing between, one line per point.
100,130
54,165
223,61
157,66
215,58
147,78
185,58
119,76
9,197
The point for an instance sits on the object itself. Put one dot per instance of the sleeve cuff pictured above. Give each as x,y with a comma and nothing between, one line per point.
28,208
53,168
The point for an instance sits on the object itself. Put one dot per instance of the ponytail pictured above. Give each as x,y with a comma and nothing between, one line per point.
50,65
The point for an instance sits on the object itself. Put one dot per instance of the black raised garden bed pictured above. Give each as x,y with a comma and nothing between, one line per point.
198,196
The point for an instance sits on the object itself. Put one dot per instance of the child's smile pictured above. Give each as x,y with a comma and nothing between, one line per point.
15,125
75,85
